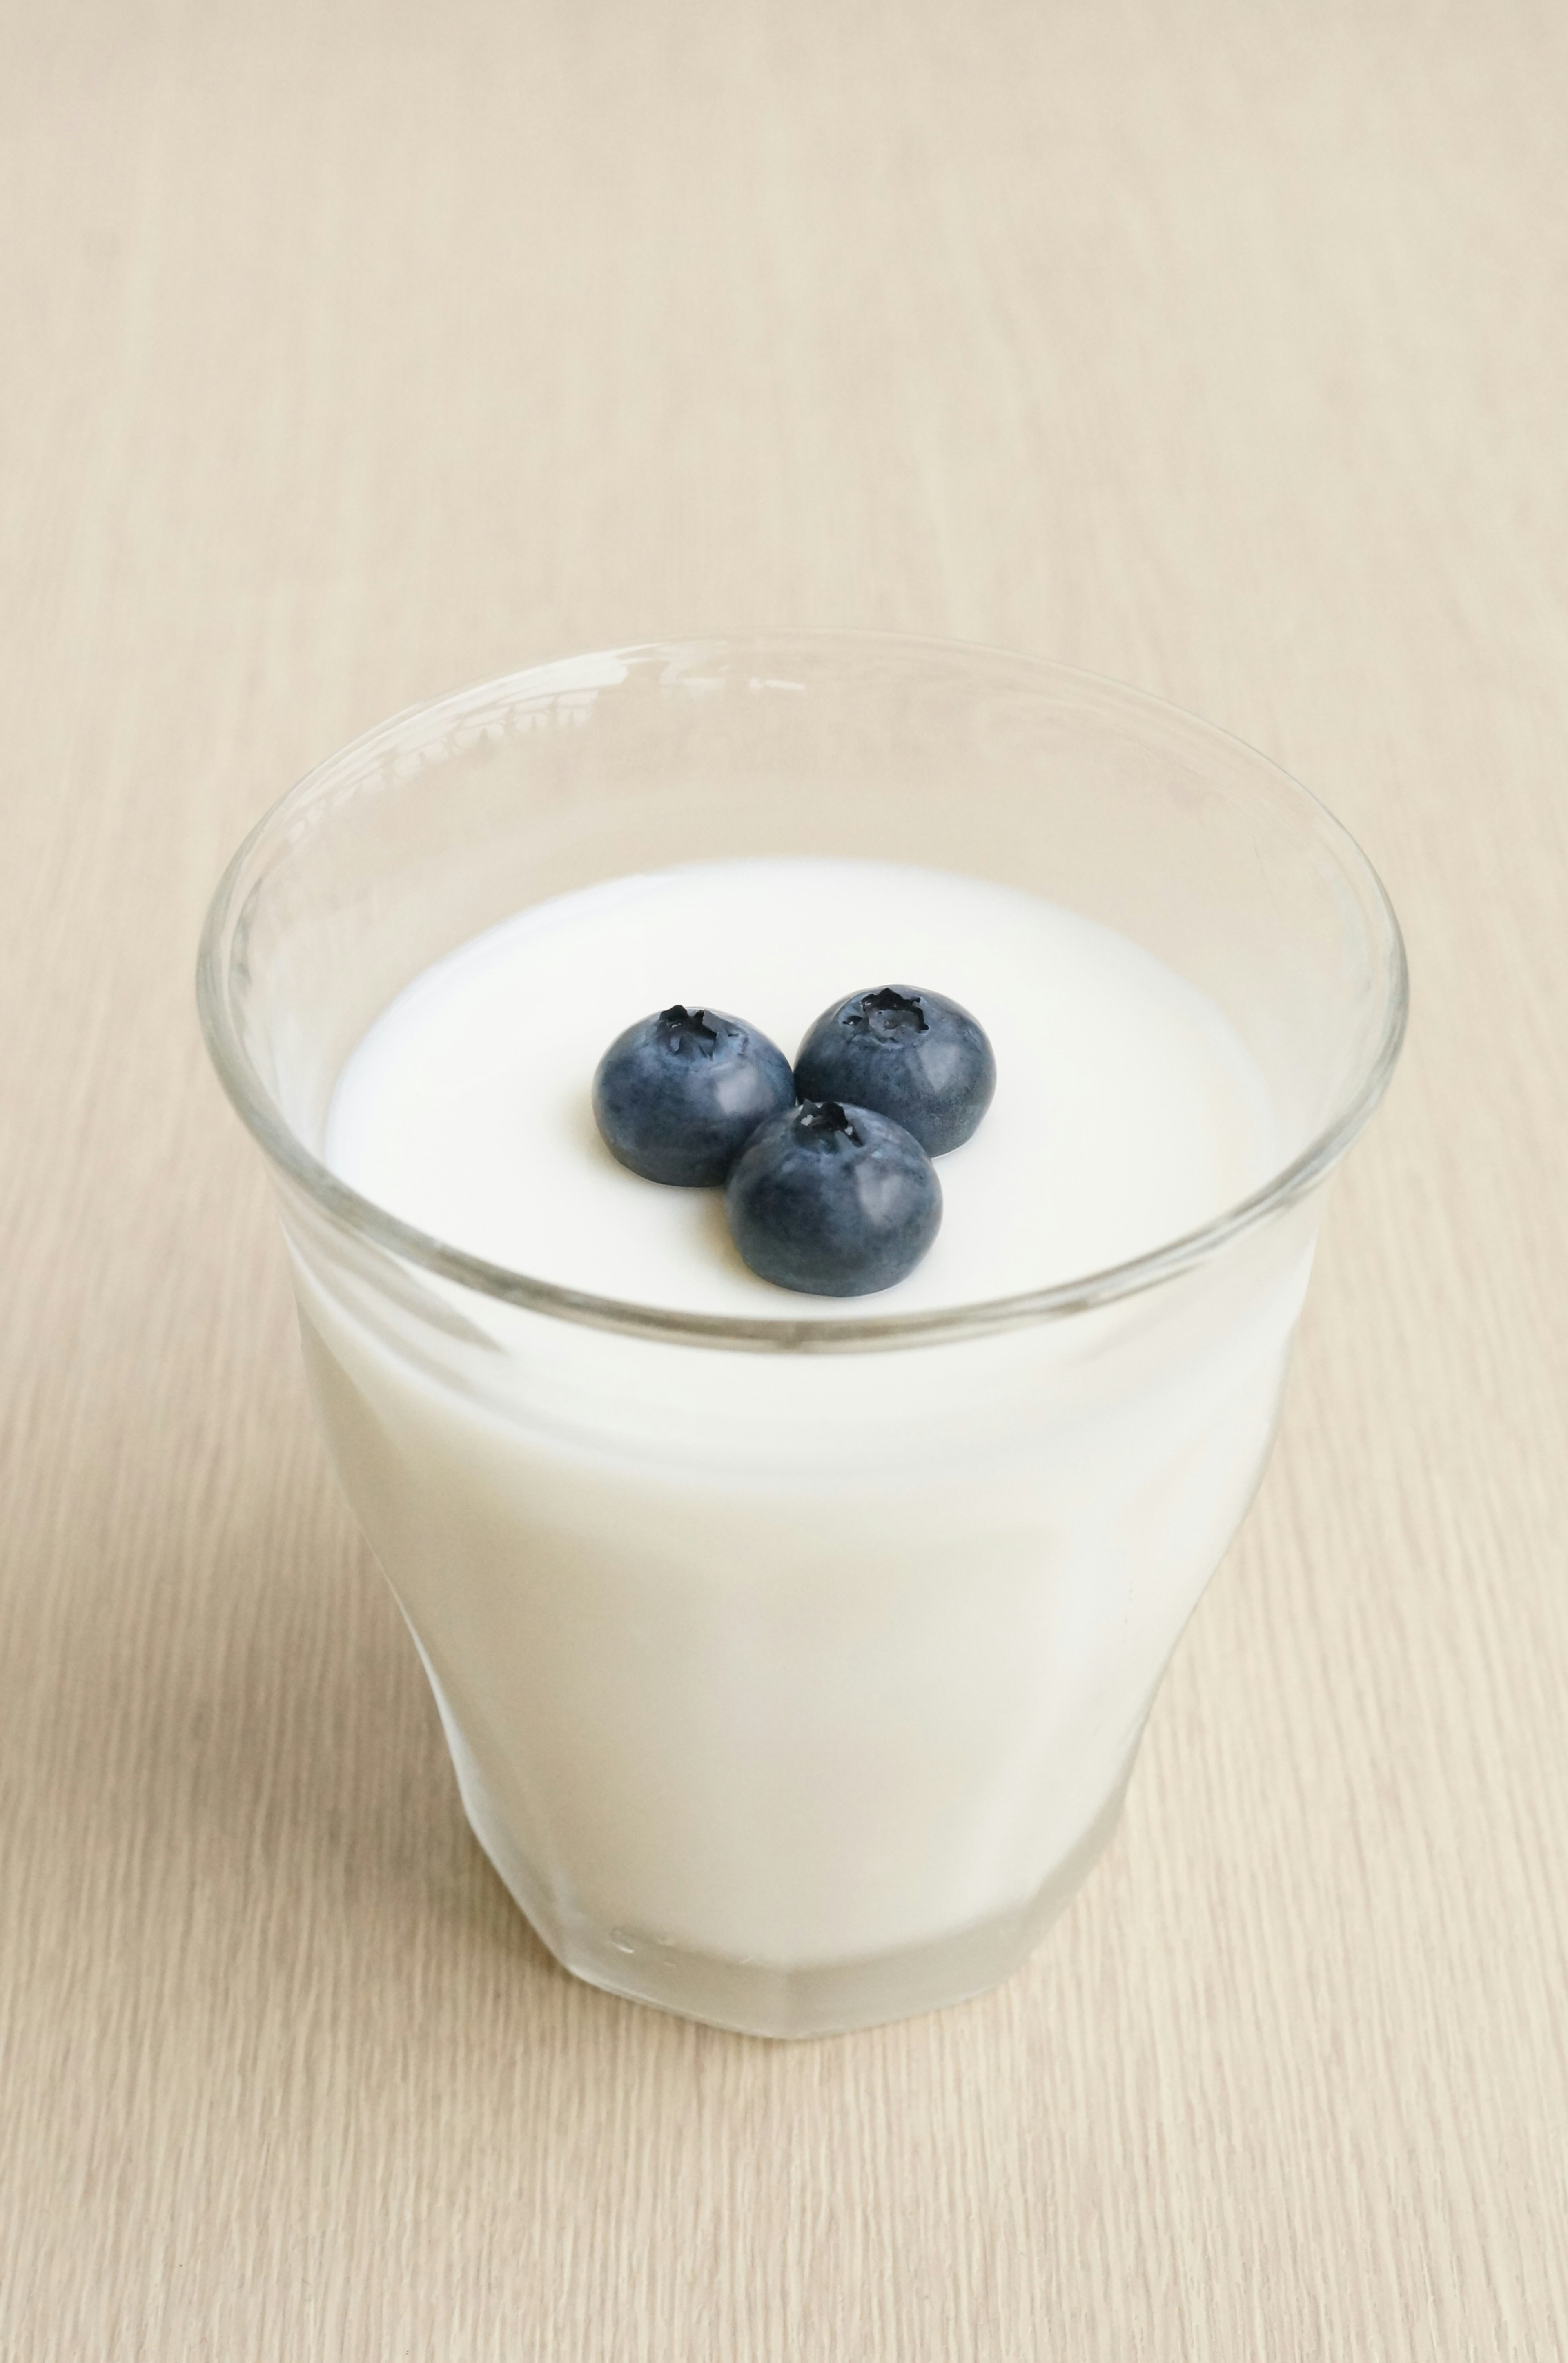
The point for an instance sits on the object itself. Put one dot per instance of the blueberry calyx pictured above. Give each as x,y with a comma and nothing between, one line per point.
889,1015
678,1096
690,1026
832,1200
823,1115
914,1056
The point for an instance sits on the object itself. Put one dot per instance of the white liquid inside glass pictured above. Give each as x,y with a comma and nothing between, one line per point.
1126,1113
782,1658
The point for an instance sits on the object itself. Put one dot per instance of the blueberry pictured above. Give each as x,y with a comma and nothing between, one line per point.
678,1096
912,1056
833,1201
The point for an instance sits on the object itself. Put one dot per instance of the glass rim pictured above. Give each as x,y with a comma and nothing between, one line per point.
345,1206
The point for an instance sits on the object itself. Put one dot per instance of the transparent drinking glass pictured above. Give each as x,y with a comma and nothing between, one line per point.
794,1668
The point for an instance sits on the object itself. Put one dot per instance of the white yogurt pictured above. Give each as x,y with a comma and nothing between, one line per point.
784,1660
1127,1111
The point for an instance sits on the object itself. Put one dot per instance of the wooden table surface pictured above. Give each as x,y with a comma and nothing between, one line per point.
358,348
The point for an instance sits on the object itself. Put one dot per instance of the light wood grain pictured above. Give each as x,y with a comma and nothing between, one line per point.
357,349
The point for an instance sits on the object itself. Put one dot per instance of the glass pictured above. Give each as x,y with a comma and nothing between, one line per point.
793,1668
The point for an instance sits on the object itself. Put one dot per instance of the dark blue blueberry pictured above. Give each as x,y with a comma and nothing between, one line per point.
912,1056
833,1201
678,1096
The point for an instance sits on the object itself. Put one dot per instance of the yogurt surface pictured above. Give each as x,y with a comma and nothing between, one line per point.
1127,1111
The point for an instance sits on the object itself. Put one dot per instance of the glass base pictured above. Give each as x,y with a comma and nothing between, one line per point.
835,1998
